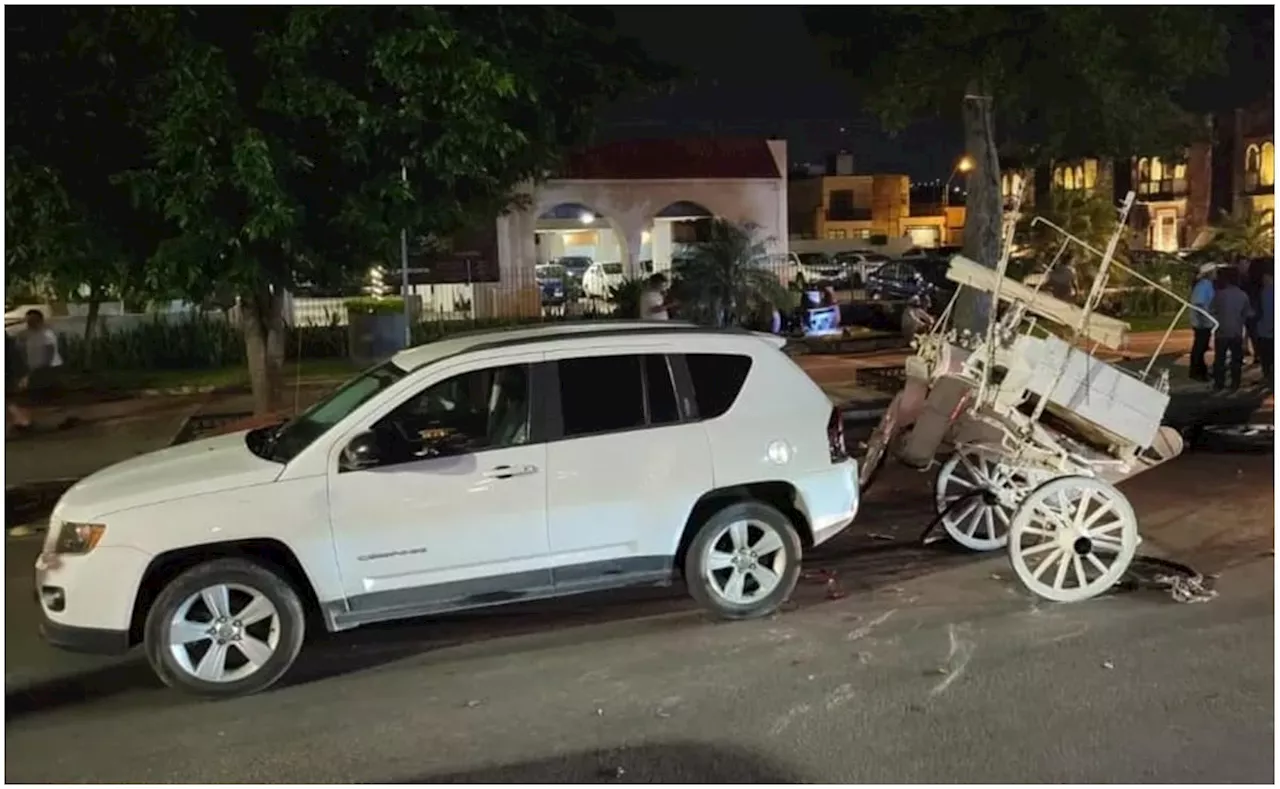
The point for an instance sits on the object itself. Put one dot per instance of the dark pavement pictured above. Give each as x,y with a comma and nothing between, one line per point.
933,666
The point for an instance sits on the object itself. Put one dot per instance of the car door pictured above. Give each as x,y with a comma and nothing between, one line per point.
440,501
627,463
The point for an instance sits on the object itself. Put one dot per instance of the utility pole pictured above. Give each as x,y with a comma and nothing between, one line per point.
404,269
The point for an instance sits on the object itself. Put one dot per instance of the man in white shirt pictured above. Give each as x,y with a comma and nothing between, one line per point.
38,345
654,305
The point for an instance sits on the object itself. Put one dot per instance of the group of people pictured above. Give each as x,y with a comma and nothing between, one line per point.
31,362
1241,298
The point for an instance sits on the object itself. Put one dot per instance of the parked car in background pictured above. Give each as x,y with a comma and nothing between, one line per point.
857,266
902,280
486,468
945,252
818,269
550,278
575,265
599,278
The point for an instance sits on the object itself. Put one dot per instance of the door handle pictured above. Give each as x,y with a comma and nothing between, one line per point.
507,472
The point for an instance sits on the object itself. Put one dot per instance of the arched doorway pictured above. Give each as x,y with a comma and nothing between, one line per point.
579,258
676,230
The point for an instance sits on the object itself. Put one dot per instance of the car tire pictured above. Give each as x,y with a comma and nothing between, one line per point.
181,610
1252,438
768,557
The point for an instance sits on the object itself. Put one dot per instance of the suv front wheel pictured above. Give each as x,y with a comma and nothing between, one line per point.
744,561
228,627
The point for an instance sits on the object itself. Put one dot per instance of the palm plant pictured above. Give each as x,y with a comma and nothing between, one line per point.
726,279
1089,216
1247,235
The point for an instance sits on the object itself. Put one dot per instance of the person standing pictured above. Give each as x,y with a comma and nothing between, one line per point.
1201,326
19,418
1231,308
1266,337
654,304
1251,284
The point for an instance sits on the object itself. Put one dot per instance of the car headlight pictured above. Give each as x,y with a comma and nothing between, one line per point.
76,538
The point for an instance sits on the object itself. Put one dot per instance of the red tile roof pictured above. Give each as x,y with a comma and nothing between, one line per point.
711,157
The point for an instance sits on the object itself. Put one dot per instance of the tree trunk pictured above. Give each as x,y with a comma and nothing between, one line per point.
262,318
984,208
91,325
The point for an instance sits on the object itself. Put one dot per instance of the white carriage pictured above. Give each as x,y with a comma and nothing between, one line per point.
1038,430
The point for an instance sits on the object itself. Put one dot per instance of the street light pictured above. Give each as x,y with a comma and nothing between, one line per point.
963,166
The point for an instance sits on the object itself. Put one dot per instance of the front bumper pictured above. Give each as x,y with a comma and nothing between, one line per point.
88,640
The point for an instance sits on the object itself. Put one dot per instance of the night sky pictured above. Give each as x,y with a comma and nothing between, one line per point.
761,73
758,72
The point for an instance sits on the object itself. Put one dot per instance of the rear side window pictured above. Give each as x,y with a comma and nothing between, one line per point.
605,394
717,380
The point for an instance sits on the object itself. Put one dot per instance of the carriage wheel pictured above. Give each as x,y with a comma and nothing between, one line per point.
1073,538
982,522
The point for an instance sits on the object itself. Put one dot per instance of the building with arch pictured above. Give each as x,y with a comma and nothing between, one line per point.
627,189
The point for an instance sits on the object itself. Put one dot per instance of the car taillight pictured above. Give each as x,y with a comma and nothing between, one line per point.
835,436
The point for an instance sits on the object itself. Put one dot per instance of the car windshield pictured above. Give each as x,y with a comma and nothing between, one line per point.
613,268
814,259
285,442
549,272
577,265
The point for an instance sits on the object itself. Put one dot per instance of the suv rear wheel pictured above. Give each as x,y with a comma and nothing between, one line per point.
744,561
228,627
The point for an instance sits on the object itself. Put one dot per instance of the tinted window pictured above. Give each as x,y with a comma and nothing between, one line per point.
717,380
599,394
471,412
661,390
613,268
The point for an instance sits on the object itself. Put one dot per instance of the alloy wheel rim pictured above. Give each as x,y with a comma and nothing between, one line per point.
744,563
223,633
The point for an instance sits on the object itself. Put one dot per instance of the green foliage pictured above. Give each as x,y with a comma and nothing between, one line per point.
369,305
1089,215
625,297
727,280
1066,81
1245,235
199,342
272,139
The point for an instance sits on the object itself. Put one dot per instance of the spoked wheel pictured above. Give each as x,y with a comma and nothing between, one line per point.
1073,538
981,523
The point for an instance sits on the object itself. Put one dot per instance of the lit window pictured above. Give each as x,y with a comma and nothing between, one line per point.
1069,178
1005,189
1090,173
1079,177
837,234
1157,169
1252,164
1268,168
1057,177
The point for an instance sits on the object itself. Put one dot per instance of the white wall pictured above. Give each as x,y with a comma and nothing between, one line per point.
629,207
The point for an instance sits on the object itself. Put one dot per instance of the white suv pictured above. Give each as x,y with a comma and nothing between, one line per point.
483,469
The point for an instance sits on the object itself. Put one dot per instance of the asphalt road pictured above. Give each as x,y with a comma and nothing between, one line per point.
930,666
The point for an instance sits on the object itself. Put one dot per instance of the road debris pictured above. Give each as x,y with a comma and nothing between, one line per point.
1107,664
473,703
886,537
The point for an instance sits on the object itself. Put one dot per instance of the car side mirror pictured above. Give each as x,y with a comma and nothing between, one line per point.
361,452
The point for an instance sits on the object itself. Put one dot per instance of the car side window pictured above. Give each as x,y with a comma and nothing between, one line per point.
470,412
605,394
660,390
601,394
717,380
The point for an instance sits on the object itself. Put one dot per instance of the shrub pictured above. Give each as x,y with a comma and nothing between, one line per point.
199,342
